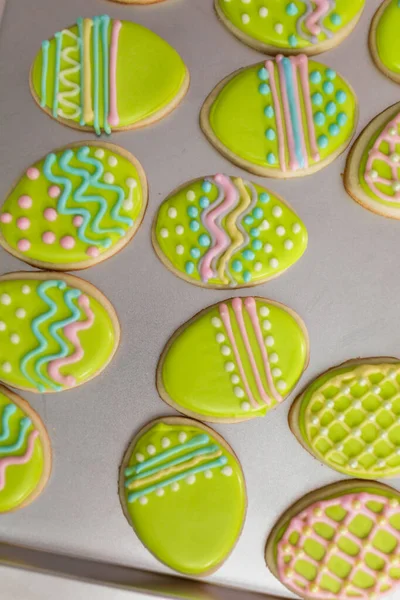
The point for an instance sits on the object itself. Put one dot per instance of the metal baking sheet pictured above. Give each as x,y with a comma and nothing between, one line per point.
346,287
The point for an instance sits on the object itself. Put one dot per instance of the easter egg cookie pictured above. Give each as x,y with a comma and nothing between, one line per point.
234,361
224,232
341,542
104,74
384,39
304,26
286,117
25,452
56,331
74,208
183,491
372,175
349,418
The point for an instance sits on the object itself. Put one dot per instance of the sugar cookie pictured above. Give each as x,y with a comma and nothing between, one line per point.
74,208
372,175
234,361
348,418
107,75
340,542
183,491
384,39
301,26
56,331
224,232
286,117
25,452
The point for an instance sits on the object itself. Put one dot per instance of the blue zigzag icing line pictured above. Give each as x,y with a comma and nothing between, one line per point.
8,411
24,425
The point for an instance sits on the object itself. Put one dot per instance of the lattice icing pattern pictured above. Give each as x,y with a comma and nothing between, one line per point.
346,547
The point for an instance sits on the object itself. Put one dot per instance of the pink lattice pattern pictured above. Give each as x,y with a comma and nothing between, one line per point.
389,135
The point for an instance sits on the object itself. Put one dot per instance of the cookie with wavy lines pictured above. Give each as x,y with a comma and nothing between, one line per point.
234,361
25,452
340,542
103,75
77,206
182,489
227,232
309,26
284,117
57,331
372,175
384,41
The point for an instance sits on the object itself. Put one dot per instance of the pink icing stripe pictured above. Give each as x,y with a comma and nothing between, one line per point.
293,163
17,460
301,62
113,116
237,309
293,65
269,65
250,305
376,154
226,319
222,240
71,333
312,21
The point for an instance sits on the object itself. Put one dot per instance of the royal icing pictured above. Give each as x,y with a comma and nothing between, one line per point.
76,206
343,546
348,418
225,232
295,25
24,458
284,116
236,360
384,38
53,333
105,74
175,477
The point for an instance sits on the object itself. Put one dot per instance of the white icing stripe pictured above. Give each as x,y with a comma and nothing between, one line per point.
73,89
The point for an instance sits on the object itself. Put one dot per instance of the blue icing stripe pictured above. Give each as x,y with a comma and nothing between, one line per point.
8,411
45,65
287,68
24,425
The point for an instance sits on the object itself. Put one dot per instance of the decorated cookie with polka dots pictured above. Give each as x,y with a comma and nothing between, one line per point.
384,39
348,418
75,207
308,26
285,117
225,232
56,331
183,491
234,361
372,175
339,542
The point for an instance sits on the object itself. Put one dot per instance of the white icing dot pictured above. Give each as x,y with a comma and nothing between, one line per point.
180,249
387,405
179,229
373,174
264,311
269,341
277,211
276,372
245,18
172,212
281,385
143,500
353,464
345,390
227,471
246,1
315,421
362,381
225,350
257,266
6,366
339,447
395,157
139,457
229,366
191,479
160,492
369,448
112,161
274,357
220,338
130,182
5,299
191,196
239,393
392,131
264,225
165,442
263,12
330,404
267,248
392,374
26,289
381,463
175,487
376,389
357,432
182,437
267,325
15,339
341,418
151,449
99,153
108,177
216,322
2,326
235,379
371,418
323,431
245,406
279,28
208,474
357,403
288,244
164,232
296,228
20,313
274,263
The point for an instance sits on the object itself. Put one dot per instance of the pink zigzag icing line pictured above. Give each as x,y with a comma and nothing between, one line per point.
313,21
71,333
376,154
303,524
17,460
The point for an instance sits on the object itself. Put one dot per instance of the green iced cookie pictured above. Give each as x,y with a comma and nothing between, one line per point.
234,361
183,491
384,39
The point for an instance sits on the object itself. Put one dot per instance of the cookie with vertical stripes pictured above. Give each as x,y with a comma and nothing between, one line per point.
224,232
74,208
285,117
234,361
104,75
182,489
